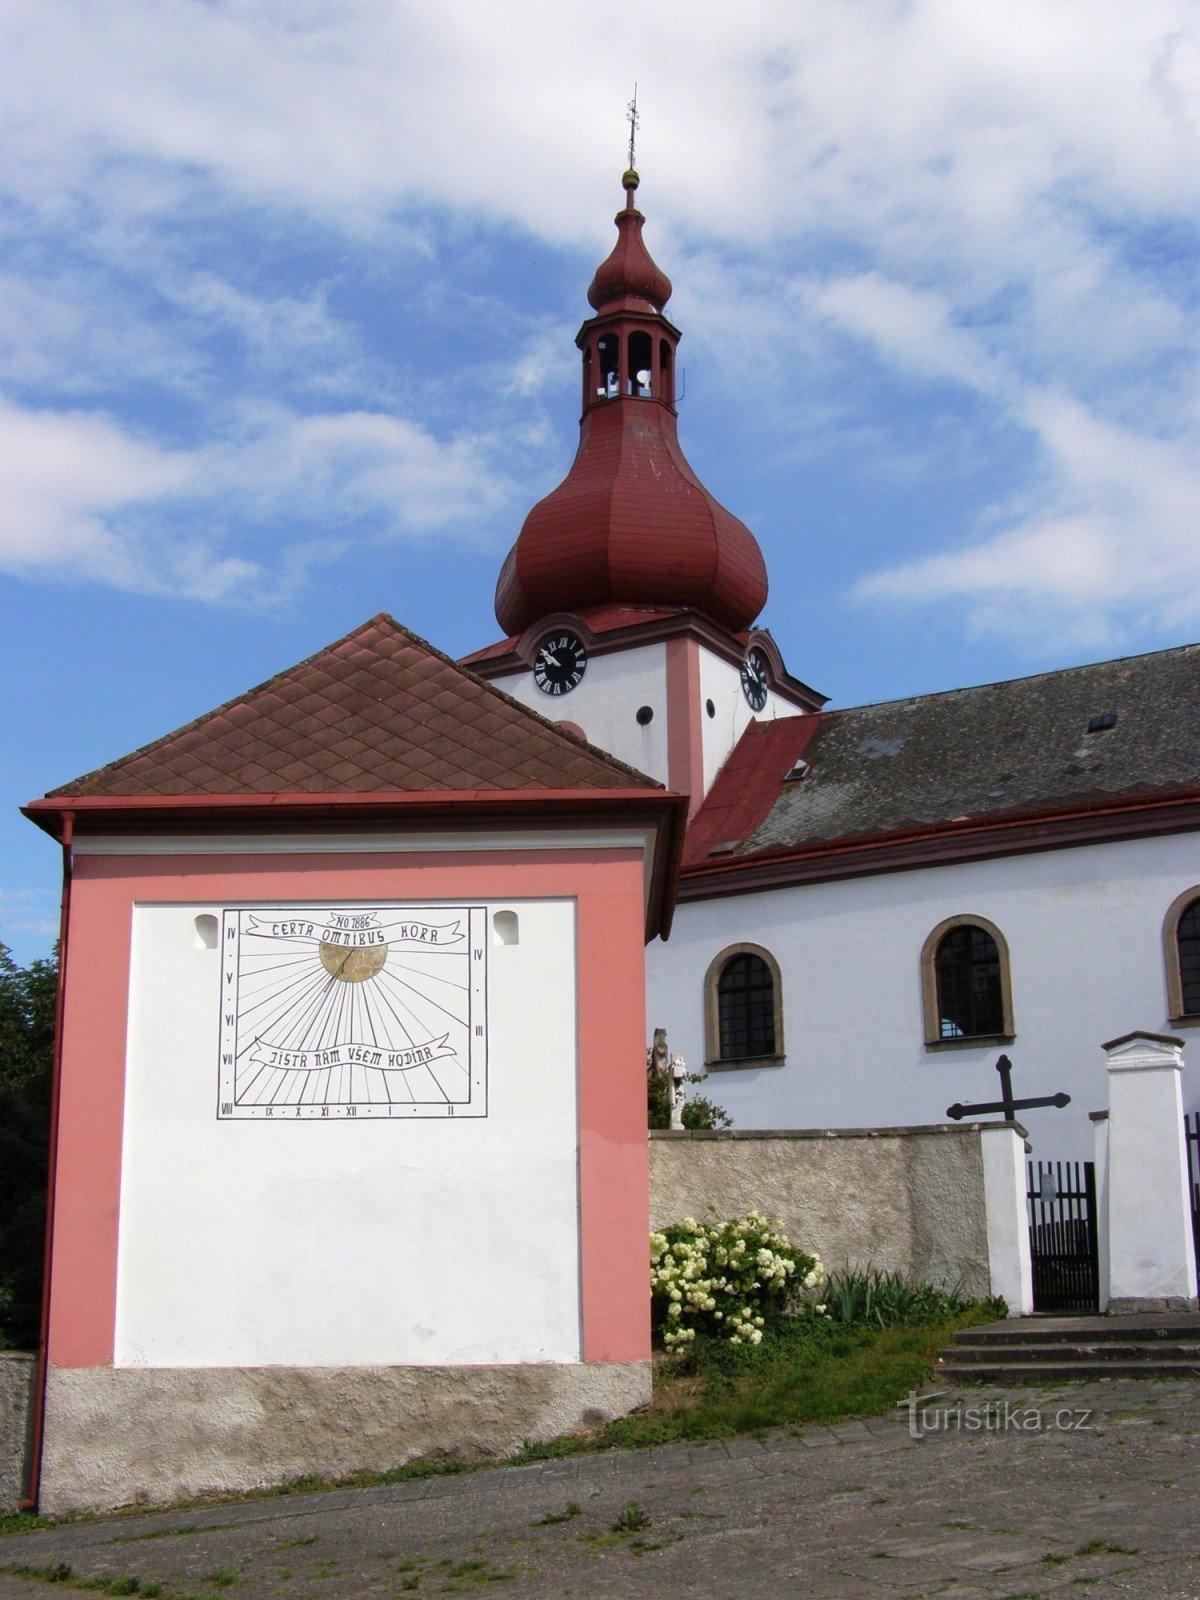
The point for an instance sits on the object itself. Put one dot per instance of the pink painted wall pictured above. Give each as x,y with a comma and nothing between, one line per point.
613,1163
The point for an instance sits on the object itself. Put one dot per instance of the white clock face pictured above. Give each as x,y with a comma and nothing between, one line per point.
559,664
754,679
353,1011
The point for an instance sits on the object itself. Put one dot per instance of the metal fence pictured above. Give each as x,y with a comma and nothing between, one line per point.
1062,1235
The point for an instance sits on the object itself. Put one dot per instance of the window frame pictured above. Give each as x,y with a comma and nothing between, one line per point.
713,1059
931,1010
1179,1018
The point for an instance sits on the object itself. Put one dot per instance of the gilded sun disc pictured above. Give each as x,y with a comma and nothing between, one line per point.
353,966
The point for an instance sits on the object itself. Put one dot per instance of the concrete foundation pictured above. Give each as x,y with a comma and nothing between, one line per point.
18,1378
122,1436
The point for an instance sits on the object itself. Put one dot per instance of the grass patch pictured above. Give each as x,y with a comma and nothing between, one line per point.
571,1509
809,1371
632,1520
112,1583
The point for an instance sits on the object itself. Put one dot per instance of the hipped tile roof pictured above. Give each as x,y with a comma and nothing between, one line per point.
379,710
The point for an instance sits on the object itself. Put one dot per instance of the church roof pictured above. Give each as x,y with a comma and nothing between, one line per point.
631,524
377,711
1117,737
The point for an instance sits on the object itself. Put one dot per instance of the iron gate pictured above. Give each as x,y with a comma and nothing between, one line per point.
1191,1126
1062,1235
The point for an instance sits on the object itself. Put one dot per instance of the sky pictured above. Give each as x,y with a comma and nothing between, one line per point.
289,291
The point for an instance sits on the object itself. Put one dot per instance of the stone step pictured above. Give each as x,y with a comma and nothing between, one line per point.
1013,1374
998,1354
1182,1329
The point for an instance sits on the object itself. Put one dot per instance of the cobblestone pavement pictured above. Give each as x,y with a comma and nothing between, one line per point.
1090,1488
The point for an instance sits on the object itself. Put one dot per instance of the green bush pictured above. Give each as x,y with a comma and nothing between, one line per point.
865,1297
698,1112
725,1280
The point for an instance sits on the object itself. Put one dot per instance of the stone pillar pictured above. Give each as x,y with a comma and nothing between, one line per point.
1010,1267
1151,1254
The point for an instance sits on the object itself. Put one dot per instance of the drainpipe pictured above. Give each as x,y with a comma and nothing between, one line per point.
39,1405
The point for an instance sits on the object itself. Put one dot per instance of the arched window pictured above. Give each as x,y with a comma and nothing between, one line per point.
1181,952
641,363
966,985
743,1008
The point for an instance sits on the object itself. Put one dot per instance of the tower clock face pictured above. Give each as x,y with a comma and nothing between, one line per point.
754,679
559,664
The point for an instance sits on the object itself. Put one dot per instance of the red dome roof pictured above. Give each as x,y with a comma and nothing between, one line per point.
629,279
631,523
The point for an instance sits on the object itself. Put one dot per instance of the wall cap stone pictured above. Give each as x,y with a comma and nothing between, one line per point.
1138,1033
922,1129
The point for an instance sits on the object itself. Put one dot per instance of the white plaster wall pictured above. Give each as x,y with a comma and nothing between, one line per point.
721,682
606,703
311,1243
1084,930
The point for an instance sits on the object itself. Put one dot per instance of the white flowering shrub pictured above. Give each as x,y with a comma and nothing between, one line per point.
729,1280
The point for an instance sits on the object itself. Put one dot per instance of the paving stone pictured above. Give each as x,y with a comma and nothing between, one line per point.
831,1514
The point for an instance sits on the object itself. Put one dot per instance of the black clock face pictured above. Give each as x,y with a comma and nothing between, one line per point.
559,664
754,679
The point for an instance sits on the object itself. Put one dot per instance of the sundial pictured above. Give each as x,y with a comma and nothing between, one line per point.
353,1011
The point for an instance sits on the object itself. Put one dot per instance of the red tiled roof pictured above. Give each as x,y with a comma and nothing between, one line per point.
747,787
377,711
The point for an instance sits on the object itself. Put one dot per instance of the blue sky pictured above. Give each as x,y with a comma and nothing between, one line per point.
288,292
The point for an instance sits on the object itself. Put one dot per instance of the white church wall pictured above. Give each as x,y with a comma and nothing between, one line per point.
606,702
721,683
317,1242
1084,931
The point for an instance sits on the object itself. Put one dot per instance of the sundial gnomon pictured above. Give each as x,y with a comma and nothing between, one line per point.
359,1010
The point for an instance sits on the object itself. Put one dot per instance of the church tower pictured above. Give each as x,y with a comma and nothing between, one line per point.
630,598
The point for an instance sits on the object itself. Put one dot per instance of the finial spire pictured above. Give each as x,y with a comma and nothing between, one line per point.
631,114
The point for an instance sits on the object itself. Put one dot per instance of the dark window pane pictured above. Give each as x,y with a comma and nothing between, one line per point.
746,1008
1188,942
970,1001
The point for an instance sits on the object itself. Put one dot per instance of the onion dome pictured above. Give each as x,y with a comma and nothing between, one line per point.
629,278
631,524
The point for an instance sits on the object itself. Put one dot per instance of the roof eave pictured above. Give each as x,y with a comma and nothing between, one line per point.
659,810
942,843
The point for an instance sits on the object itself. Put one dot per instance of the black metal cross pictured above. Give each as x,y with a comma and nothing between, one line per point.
1006,1104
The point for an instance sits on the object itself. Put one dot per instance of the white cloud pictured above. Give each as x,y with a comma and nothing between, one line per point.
912,327
1111,542
85,499
980,192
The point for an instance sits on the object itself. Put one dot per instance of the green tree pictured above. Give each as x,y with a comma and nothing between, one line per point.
27,1005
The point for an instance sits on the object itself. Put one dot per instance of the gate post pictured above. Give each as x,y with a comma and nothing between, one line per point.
1151,1253
1099,1122
1010,1265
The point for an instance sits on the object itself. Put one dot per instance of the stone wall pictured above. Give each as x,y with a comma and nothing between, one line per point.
18,1375
903,1199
